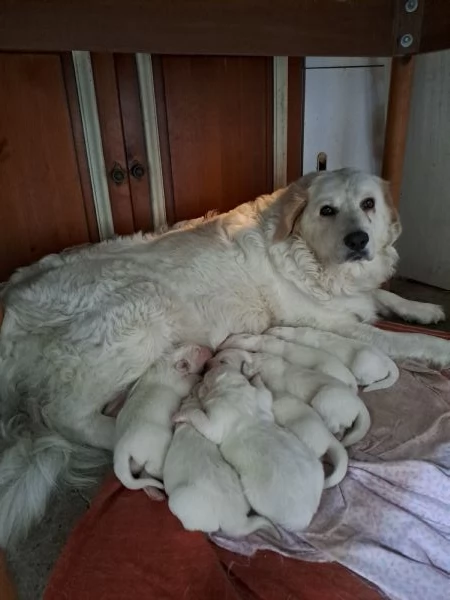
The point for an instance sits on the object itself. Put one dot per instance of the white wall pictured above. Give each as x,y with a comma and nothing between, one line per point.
425,199
345,108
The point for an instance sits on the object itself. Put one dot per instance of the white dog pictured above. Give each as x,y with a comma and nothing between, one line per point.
282,478
78,332
307,425
296,354
339,406
371,367
144,427
204,491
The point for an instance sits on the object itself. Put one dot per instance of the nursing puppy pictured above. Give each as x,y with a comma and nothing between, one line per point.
371,367
296,354
204,491
339,407
281,477
306,424
144,427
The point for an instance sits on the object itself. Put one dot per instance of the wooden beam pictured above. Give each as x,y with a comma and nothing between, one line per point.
226,27
296,115
402,71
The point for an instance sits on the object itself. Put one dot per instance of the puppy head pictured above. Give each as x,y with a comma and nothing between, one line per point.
189,359
182,365
231,359
343,216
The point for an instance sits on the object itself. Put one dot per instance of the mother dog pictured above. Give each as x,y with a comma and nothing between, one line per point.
80,328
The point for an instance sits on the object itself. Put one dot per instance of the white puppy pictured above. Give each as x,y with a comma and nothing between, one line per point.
204,491
282,478
144,426
339,407
307,425
303,356
372,368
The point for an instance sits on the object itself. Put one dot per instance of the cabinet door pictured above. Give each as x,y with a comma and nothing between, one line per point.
45,196
216,132
121,126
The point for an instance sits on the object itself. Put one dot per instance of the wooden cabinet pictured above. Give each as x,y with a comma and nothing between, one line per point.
126,165
216,131
45,197
74,146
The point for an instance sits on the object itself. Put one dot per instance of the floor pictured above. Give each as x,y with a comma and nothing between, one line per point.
32,561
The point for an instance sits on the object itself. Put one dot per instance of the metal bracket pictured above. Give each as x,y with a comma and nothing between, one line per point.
407,27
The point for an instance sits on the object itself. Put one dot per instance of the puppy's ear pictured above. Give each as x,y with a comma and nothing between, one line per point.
247,369
182,366
395,227
292,202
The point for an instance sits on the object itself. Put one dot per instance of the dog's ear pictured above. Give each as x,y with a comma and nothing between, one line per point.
292,202
395,227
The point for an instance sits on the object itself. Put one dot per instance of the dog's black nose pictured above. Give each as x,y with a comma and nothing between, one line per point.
357,240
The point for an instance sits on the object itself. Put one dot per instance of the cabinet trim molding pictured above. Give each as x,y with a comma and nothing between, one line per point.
151,135
94,148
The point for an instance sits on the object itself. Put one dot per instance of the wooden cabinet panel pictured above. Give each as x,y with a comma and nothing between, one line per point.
215,122
42,206
117,91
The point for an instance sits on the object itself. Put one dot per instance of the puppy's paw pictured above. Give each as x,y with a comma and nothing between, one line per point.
184,416
257,382
275,331
242,341
154,493
249,370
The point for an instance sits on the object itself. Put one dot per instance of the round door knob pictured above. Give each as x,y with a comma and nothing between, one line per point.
137,171
117,174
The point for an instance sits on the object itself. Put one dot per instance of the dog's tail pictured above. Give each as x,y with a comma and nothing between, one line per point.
360,427
125,472
30,469
389,380
338,457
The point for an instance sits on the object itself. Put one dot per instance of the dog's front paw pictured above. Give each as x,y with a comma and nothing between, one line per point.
428,313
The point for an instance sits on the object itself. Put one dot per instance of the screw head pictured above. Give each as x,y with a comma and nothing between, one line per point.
411,6
406,40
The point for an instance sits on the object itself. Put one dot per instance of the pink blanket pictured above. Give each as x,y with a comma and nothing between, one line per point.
389,520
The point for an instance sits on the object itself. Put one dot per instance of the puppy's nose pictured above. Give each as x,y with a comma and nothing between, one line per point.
357,240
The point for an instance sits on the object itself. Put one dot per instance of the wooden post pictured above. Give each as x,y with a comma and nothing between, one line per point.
402,71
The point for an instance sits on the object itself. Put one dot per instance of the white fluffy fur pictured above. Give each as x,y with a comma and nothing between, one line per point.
144,426
84,326
307,425
204,491
371,367
338,405
296,354
282,478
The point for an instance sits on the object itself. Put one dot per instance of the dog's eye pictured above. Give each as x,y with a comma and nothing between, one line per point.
367,204
328,211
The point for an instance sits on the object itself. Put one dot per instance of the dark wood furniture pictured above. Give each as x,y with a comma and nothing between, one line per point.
215,111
